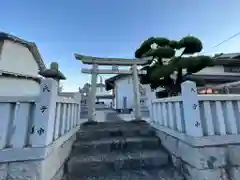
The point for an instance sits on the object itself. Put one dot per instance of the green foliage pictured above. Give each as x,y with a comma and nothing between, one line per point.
154,85
158,71
192,62
161,94
158,75
109,85
201,62
174,44
161,52
145,47
160,41
191,44
144,79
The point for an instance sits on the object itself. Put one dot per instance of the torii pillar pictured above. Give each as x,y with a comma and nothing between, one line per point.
95,61
136,92
92,94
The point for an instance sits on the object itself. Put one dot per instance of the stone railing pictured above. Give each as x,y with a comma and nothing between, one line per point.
201,132
36,133
198,115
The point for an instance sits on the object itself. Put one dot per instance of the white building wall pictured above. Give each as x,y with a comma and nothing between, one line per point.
124,88
18,59
18,87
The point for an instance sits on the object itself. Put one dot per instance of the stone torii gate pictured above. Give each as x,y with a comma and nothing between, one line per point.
114,62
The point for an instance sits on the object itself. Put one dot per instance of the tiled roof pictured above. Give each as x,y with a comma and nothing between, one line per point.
30,45
19,76
227,56
227,59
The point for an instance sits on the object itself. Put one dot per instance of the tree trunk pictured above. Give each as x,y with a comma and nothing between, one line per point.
179,80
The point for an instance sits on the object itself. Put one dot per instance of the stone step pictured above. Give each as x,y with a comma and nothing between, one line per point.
110,124
95,134
97,164
129,144
166,173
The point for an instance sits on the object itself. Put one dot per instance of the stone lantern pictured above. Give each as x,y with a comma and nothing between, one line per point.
53,72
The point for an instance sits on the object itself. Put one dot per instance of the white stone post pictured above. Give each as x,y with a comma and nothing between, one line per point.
136,92
193,125
43,126
92,95
78,98
151,96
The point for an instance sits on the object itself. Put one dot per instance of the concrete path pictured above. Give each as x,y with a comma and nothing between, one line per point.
113,116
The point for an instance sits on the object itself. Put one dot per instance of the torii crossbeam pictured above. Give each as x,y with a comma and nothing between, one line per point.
114,62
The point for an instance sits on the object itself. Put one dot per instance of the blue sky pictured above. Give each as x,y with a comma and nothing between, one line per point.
110,28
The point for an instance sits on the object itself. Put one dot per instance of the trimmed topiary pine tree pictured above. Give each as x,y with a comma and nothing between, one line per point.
167,70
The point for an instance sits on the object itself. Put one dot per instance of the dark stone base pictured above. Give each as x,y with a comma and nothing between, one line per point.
138,121
128,111
85,124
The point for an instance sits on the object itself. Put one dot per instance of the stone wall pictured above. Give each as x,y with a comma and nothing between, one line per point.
203,162
49,167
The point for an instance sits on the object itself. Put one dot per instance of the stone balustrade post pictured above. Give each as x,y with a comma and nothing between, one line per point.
193,125
43,126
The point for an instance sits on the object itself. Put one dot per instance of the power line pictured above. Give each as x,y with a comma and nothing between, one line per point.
226,40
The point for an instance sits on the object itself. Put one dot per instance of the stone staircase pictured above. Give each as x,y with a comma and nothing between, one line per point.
119,150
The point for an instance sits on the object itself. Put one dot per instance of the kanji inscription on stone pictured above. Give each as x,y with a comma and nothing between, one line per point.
32,130
46,88
197,124
40,131
193,90
43,108
194,106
